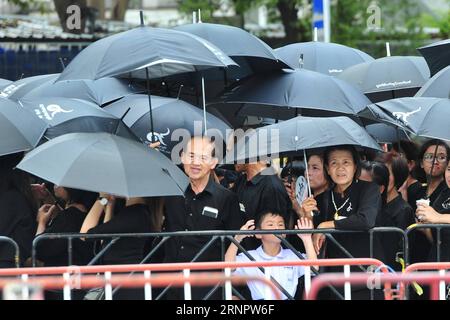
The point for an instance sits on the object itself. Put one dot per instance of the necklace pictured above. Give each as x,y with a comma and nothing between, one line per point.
336,214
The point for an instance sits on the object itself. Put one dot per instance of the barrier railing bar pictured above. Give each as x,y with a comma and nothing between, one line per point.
16,249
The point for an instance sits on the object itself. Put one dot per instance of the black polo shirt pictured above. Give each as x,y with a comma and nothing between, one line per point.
188,214
264,192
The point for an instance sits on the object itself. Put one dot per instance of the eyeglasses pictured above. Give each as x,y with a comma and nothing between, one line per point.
439,157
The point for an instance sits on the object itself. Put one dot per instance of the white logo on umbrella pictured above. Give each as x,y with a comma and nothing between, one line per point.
50,111
159,136
404,115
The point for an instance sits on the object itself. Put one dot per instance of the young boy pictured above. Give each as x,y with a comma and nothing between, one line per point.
271,250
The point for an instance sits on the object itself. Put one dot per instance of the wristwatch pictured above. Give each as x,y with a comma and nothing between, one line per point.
103,201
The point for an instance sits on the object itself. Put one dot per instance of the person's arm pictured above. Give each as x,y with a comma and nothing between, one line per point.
93,217
45,213
109,210
306,224
426,214
230,255
365,217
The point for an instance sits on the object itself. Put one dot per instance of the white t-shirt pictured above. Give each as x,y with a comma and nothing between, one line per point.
286,276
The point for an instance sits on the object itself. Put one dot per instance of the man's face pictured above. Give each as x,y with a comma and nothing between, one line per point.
197,159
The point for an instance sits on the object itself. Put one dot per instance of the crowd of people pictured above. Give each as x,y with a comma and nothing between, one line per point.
350,190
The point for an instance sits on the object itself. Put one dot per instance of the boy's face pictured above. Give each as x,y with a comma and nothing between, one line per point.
271,222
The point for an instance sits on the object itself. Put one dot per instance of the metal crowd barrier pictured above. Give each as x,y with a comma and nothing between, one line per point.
16,249
75,277
433,279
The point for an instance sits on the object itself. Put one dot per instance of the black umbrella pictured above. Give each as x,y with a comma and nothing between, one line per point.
17,89
388,77
4,83
438,86
145,53
286,94
169,115
102,162
246,49
20,130
64,115
99,91
324,57
437,55
384,133
424,117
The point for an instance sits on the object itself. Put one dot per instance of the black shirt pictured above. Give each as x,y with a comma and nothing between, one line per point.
360,214
264,192
442,205
422,193
53,252
17,221
397,213
190,214
414,192
131,219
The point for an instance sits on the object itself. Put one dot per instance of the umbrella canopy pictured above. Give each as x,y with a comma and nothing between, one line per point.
20,130
169,115
4,83
162,51
424,117
324,57
102,162
438,86
303,133
17,89
64,115
99,91
437,55
384,133
286,94
388,77
244,48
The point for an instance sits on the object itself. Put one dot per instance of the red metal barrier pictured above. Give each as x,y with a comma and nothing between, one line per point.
227,266
433,279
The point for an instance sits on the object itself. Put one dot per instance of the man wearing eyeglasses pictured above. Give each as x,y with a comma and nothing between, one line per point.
207,206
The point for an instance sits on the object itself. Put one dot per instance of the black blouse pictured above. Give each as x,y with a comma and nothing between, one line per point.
131,219
53,252
442,205
359,213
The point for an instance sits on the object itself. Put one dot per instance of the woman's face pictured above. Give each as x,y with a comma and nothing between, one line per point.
447,175
440,163
341,167
316,173
391,184
61,193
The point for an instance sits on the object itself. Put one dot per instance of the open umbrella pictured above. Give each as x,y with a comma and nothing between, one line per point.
286,94
243,47
438,86
424,117
324,57
145,53
388,77
4,83
17,89
20,130
384,133
169,115
64,115
302,133
99,91
437,55
102,162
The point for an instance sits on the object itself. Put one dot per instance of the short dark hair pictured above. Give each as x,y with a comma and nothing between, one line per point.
264,214
380,175
399,167
349,148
